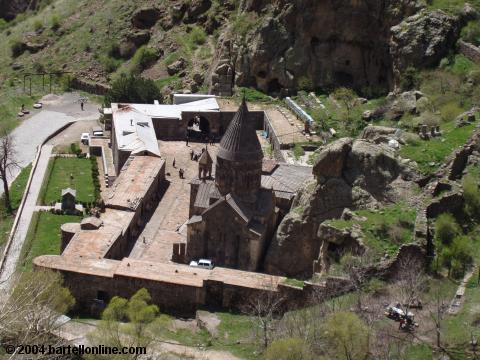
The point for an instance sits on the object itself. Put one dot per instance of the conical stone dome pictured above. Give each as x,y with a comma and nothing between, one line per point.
240,142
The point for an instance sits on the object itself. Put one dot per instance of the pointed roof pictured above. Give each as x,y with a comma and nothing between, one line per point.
205,158
240,142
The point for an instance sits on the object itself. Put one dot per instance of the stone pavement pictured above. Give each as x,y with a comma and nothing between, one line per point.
172,211
15,249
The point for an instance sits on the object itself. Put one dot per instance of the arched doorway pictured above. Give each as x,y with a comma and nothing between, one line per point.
198,128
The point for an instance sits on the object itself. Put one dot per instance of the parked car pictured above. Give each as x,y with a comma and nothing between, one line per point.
203,263
97,131
85,138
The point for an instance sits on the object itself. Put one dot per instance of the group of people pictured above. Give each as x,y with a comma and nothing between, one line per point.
181,172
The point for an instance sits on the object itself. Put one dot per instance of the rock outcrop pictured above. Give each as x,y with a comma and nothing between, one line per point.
422,40
11,8
310,44
349,174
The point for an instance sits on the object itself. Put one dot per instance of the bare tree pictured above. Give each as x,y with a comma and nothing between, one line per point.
264,307
8,163
29,314
410,283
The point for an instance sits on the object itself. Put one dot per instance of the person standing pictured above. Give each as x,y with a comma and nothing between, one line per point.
173,164
81,104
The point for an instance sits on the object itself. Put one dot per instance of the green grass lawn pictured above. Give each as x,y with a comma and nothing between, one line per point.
17,188
67,172
385,230
43,237
234,334
436,150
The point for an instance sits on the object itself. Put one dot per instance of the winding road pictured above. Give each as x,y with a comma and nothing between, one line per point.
28,137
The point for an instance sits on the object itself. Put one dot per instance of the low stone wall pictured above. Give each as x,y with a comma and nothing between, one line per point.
471,51
90,87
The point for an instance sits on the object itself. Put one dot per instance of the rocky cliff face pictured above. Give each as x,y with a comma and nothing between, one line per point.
307,44
311,43
351,174
11,8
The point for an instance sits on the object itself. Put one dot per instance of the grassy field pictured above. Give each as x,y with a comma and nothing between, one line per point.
43,237
385,230
429,154
17,189
235,334
67,172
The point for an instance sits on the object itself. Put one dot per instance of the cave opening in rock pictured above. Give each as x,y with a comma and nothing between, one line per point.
262,74
343,79
274,86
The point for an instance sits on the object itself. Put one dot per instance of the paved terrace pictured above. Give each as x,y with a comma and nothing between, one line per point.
161,232
288,128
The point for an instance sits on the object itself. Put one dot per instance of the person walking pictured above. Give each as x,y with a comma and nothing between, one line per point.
173,164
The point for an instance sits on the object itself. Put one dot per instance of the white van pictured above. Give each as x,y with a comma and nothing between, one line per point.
203,263
97,131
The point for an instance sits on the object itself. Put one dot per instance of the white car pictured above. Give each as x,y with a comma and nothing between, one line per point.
97,131
85,138
202,263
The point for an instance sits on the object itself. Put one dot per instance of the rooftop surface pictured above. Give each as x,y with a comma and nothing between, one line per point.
163,272
133,182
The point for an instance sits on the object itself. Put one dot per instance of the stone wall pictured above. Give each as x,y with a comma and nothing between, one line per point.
90,87
471,51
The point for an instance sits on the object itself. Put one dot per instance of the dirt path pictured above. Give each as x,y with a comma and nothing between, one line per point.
76,332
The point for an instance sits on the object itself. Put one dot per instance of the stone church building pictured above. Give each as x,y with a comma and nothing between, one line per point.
232,218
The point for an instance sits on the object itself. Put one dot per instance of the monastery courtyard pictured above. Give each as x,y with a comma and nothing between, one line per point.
167,224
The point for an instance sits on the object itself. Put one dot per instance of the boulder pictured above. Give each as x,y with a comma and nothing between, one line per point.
422,40
371,166
195,9
331,159
145,18
372,132
139,37
176,67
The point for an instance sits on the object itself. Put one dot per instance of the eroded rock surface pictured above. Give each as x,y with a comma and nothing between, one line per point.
349,173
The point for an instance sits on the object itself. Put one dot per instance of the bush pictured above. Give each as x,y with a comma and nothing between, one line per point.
132,89
37,25
288,349
198,35
446,229
410,79
471,193
298,151
471,32
113,50
17,47
143,58
305,83
55,23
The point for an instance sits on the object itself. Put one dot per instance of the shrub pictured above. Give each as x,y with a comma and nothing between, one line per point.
305,83
37,25
450,111
446,228
133,89
410,79
471,193
288,349
254,95
143,58
17,47
198,36
298,151
113,50
471,32
55,23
